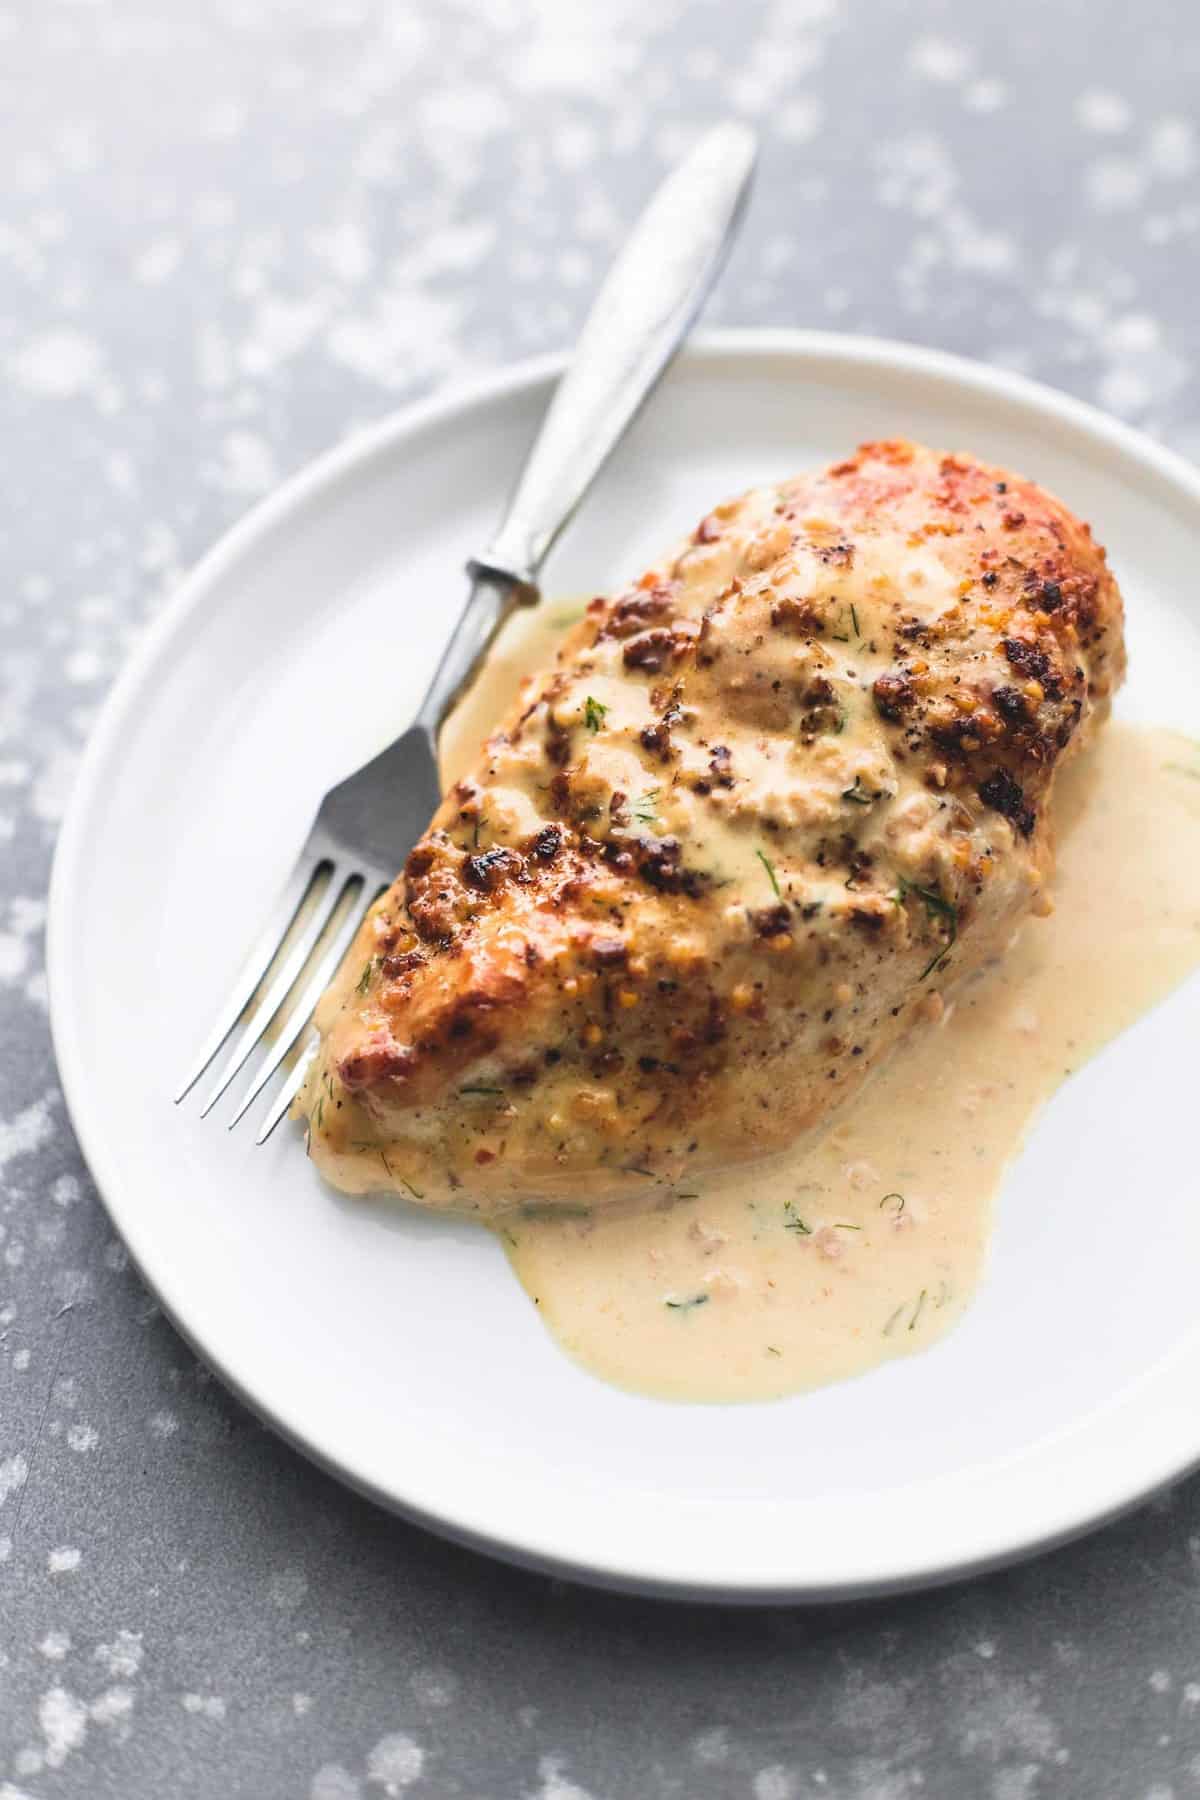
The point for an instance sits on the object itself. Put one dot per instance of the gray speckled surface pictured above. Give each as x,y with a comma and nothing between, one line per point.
230,234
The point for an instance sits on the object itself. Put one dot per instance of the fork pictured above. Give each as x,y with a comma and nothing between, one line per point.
367,823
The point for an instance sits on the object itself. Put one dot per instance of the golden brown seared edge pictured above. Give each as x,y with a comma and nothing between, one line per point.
765,806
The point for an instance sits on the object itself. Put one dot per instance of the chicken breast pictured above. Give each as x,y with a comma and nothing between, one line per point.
767,807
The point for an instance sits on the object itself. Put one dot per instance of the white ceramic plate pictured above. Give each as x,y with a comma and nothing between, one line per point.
398,1350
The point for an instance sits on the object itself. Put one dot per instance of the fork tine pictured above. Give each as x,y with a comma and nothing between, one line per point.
252,970
289,1090
314,987
276,994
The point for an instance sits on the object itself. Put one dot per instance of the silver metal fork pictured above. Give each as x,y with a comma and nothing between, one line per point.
366,825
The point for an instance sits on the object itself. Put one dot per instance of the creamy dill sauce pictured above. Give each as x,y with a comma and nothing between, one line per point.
867,1242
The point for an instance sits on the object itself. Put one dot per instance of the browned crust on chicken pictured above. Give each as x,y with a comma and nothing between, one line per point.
766,800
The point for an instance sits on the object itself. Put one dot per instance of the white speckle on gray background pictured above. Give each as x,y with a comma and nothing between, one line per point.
287,1589
14,1472
332,1782
123,1656
395,1763
233,235
204,1706
774,1783
63,1720
555,1785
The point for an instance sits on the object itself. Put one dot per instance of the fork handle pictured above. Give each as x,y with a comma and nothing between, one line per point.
638,320
493,597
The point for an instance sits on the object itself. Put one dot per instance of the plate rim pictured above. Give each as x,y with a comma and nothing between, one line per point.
345,461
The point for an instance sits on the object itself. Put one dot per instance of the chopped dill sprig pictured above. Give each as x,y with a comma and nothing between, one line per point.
415,1192
936,906
646,807
841,1225
858,794
364,980
772,1351
480,1090
854,619
769,866
687,1305
793,1221
894,1210
917,1309
593,713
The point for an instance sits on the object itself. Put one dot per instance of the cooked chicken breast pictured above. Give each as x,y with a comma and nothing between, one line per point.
767,807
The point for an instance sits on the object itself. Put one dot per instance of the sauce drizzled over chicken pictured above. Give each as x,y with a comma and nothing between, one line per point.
767,806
